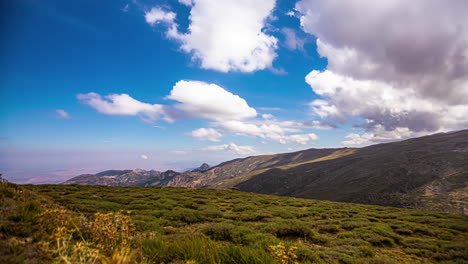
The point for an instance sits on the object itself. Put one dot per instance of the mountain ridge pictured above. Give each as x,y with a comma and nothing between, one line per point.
415,173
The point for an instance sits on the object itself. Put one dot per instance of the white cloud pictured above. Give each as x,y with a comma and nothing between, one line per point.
269,108
290,13
228,113
302,138
225,35
233,148
186,2
379,134
123,104
271,130
400,65
62,114
207,134
210,101
144,157
377,101
156,15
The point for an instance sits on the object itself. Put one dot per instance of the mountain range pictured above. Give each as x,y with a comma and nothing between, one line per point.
429,173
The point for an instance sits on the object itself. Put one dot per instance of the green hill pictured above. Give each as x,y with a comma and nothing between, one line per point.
99,224
429,173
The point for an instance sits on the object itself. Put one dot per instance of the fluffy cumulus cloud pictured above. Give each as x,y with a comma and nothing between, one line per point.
210,101
232,114
123,104
400,65
225,111
232,148
157,15
207,134
224,35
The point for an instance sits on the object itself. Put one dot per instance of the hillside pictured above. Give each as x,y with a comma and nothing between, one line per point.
427,173
200,177
99,224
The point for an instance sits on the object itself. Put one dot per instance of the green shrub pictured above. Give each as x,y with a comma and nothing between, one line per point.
242,208
196,248
378,240
305,254
294,229
250,217
185,215
180,226
227,232
211,212
328,228
350,225
234,254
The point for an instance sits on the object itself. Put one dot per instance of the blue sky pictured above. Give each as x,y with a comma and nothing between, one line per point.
241,80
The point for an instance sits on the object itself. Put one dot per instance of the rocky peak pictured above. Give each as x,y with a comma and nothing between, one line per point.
204,167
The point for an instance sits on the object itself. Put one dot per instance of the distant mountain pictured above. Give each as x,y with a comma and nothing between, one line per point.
137,177
204,167
429,173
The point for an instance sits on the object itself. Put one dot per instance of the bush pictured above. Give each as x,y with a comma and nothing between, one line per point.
295,229
234,254
185,215
112,229
350,225
211,212
242,208
284,254
200,250
228,232
328,228
378,240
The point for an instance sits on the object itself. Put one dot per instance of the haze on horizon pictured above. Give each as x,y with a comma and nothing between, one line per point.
89,86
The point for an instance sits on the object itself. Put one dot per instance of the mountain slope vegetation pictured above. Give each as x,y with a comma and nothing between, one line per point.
394,174
99,224
428,173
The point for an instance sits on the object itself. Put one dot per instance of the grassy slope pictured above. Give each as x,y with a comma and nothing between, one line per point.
394,174
19,229
215,226
229,183
239,167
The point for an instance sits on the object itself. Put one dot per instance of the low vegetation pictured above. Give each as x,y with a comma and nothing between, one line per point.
98,224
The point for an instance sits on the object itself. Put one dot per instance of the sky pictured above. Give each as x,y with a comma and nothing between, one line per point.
169,84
